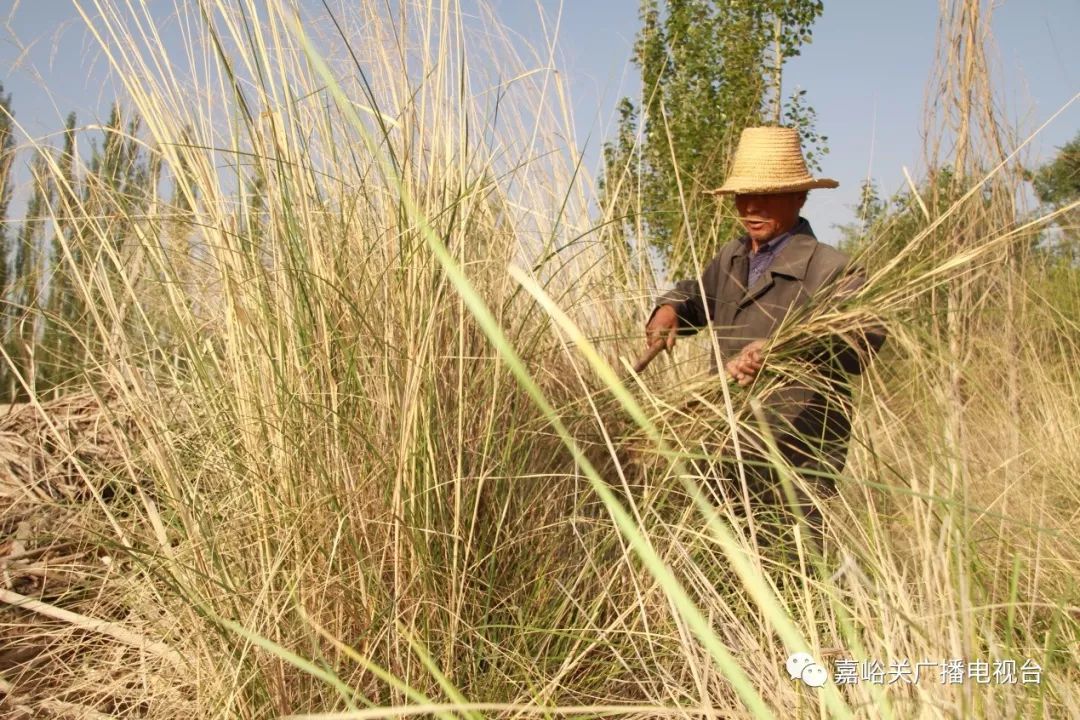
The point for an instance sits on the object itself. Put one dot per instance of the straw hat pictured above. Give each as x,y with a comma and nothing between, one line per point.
769,160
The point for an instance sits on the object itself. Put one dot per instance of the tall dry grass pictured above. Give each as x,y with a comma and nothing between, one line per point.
381,461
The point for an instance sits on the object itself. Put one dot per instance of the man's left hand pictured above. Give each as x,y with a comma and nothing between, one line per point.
744,367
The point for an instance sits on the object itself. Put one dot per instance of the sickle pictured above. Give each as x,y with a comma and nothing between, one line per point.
647,357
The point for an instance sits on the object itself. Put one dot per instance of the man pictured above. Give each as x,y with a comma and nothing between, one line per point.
746,291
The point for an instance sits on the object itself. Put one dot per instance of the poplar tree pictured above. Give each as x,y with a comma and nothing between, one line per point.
26,284
1057,185
7,160
709,68
65,307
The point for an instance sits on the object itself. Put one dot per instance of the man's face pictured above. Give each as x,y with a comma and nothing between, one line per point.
767,216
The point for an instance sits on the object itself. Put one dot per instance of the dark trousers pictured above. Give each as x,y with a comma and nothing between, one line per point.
814,467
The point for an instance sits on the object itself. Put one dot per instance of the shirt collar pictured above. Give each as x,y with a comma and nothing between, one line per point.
773,244
796,257
776,242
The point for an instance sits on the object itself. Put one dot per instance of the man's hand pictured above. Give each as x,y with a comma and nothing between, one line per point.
744,367
662,328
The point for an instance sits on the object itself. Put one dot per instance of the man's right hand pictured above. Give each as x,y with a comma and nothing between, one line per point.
662,327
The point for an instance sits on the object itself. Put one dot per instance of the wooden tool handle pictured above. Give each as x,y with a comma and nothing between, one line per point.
647,357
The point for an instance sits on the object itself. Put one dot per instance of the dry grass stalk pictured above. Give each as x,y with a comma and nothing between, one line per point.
94,625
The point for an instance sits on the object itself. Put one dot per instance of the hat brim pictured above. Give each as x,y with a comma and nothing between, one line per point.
738,186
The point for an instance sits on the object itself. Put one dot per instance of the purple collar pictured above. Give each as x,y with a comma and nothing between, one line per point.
770,247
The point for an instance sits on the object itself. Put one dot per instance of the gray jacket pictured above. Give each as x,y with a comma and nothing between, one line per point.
802,269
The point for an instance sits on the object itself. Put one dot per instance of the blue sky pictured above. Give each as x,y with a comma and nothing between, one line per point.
865,74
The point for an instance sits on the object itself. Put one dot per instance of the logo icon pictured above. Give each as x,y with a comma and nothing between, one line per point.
801,666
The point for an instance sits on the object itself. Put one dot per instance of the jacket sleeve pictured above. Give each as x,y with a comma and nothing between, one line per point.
853,346
689,303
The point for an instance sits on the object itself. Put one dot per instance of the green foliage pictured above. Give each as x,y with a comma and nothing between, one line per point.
65,317
1058,181
798,114
1057,184
119,177
7,159
709,69
25,297
869,212
28,249
44,313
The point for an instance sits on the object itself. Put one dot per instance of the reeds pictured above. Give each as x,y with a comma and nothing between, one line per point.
379,452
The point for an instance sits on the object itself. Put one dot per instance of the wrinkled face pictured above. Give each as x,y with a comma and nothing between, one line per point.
766,216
